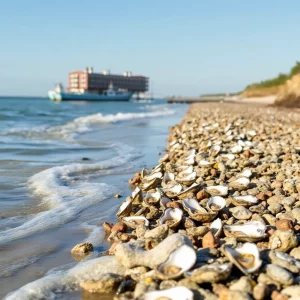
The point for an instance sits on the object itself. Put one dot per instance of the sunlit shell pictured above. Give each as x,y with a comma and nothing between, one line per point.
245,173
197,212
214,150
217,190
256,151
182,168
216,203
149,185
210,273
246,257
190,160
236,149
172,217
240,184
173,191
228,156
180,260
164,158
135,221
192,189
137,196
157,168
144,172
251,133
216,227
249,232
297,149
125,208
186,172
167,179
152,198
245,200
228,126
152,176
175,293
205,163
188,179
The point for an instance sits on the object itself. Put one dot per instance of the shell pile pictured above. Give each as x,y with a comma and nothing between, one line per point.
229,183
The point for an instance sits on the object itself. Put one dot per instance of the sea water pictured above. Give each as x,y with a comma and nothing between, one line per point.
60,166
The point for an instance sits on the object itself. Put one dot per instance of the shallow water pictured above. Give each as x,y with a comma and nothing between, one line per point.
60,165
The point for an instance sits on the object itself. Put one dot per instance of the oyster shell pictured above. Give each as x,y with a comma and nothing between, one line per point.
192,189
167,179
246,257
153,175
217,190
252,231
172,217
205,163
149,185
216,203
125,208
197,212
172,191
245,173
216,227
179,261
245,200
214,150
135,221
152,198
175,293
240,184
236,149
164,201
137,196
187,179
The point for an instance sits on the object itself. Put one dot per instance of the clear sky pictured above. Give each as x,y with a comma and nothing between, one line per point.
185,47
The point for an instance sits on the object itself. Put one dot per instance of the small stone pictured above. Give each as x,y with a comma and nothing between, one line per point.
238,295
209,241
275,208
197,231
296,214
112,249
280,274
107,283
295,253
284,224
241,213
271,220
202,195
276,184
289,201
283,240
292,291
261,196
260,291
119,227
82,249
278,296
173,204
188,283
117,196
243,284
274,199
107,227
167,284
268,194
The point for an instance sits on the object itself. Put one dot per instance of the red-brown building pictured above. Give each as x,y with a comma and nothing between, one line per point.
80,81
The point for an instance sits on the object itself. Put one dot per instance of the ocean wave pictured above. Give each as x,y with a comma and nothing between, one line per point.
65,198
78,126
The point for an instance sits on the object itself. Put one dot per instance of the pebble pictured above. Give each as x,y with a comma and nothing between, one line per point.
209,241
243,284
280,274
283,240
284,224
82,249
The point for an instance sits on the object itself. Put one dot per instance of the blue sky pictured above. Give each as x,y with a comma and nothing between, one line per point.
185,47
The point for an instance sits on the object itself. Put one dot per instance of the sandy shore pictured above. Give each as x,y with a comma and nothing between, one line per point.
267,100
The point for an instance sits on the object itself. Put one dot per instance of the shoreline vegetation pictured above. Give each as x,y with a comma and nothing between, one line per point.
217,218
286,88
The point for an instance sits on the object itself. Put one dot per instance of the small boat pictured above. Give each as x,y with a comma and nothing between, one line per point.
111,94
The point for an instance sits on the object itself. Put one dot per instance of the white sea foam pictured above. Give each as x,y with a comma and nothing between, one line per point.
81,125
65,199
61,281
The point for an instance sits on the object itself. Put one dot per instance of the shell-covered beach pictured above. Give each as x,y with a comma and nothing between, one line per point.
218,217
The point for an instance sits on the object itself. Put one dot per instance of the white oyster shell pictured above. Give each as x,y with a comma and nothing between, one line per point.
246,257
216,203
171,214
182,259
217,190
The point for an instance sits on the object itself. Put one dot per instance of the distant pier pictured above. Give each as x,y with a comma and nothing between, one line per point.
196,99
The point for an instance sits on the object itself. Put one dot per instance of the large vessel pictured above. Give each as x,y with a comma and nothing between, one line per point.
111,94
